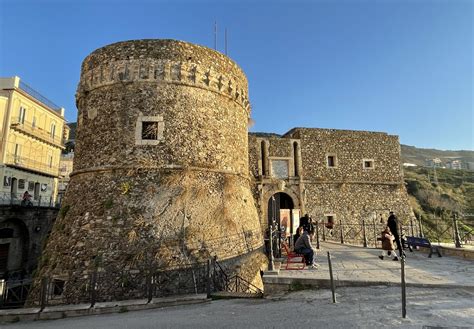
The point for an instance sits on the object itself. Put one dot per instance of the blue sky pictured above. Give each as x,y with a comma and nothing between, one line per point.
403,67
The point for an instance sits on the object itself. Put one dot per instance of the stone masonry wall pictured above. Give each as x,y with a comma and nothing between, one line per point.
348,192
170,202
350,148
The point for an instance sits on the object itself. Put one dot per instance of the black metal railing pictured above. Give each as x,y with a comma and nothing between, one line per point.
30,91
7,198
113,284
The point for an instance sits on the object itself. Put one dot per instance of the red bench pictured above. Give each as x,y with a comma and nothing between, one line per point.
293,258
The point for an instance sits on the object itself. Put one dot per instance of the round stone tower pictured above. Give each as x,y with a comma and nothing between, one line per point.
160,175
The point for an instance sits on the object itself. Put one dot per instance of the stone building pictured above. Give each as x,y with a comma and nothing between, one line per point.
336,176
166,175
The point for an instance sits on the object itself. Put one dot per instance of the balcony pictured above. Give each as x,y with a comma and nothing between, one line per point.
32,130
31,165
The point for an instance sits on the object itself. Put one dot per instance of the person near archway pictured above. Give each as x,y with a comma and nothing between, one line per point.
303,246
392,223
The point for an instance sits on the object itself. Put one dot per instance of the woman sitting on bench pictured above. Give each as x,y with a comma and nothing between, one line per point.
303,246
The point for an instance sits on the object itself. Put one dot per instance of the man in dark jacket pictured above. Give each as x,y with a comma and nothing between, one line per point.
392,223
303,246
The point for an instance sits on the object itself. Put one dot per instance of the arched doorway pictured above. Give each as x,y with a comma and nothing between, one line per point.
279,212
277,202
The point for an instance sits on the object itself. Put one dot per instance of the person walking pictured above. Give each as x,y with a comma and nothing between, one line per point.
387,245
303,246
392,224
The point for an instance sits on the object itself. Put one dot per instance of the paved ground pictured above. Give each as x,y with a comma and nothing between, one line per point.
368,307
362,264
447,303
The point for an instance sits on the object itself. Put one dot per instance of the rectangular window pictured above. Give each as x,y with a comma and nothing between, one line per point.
31,186
331,161
53,130
329,221
33,123
149,130
368,164
22,116
21,184
17,155
50,161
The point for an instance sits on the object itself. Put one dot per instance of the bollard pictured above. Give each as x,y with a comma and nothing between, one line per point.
324,232
421,226
411,226
342,232
333,288
44,293
457,238
317,235
270,261
375,234
404,296
93,287
209,277
363,232
149,289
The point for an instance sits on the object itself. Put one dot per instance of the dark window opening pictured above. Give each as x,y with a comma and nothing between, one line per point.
58,287
264,160
368,164
330,222
295,154
331,161
150,130
21,184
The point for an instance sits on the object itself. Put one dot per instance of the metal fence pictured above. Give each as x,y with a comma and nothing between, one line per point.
7,198
367,233
103,285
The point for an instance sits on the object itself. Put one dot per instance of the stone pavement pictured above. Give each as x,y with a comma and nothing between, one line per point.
358,266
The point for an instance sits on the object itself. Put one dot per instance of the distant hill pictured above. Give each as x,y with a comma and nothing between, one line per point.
418,156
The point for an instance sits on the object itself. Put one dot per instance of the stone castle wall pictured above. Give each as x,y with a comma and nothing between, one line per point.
348,191
350,148
169,202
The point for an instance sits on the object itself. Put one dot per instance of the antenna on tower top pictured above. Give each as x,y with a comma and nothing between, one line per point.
225,37
215,35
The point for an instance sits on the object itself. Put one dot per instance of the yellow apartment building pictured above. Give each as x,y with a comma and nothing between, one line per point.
33,132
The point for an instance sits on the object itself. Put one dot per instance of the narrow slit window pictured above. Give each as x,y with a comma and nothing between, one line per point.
295,155
331,161
263,157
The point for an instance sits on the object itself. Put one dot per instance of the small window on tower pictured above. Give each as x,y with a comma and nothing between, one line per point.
149,130
368,164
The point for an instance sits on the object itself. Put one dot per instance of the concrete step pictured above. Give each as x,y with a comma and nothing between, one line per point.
231,295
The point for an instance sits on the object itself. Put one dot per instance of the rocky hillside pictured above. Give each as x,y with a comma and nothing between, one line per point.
436,195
